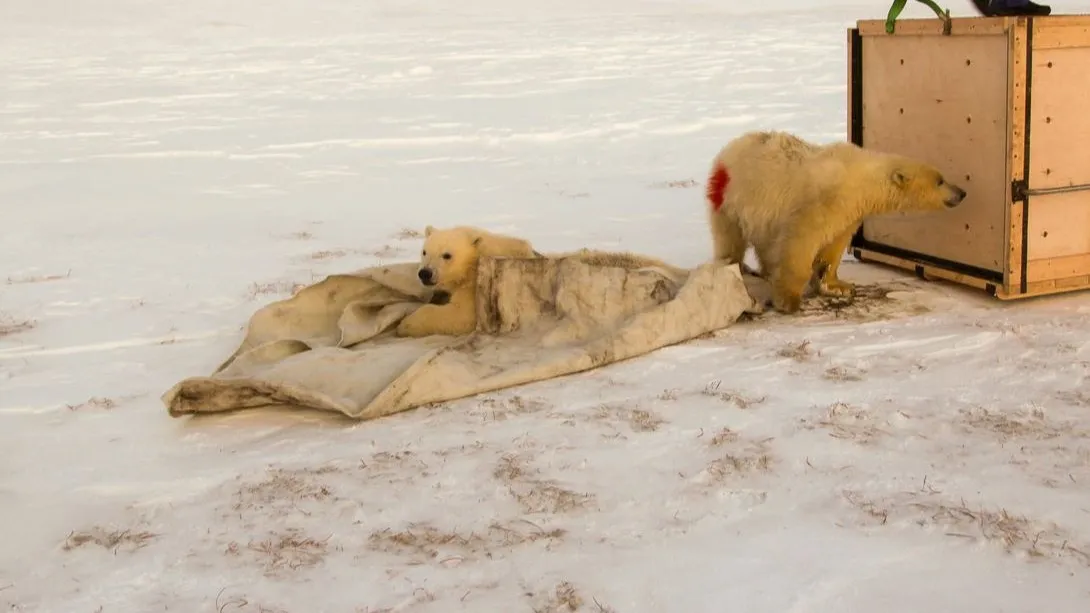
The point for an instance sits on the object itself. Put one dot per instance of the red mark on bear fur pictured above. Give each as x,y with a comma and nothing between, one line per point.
717,186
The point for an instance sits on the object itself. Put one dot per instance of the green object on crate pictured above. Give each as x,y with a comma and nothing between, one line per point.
899,5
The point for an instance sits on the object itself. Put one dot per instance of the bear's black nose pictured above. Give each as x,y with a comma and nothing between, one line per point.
425,276
959,195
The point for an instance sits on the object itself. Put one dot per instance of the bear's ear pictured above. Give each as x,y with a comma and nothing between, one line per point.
477,240
899,178
428,230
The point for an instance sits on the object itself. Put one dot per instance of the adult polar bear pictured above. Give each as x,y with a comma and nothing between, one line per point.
798,204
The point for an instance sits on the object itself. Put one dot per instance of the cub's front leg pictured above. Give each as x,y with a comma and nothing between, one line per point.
452,319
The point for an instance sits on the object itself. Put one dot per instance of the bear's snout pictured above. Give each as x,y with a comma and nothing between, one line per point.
959,195
427,277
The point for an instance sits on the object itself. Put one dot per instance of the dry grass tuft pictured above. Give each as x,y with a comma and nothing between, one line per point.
737,399
638,420
94,403
461,449
841,373
302,236
642,421
328,254
739,464
390,459
424,542
385,251
869,507
286,551
603,608
408,233
508,469
800,352
725,435
684,183
847,422
38,278
669,395
280,288
9,325
537,495
559,191
547,497
1016,424
394,466
1074,397
283,489
564,597
499,409
1015,533
114,540
236,603
508,536
741,457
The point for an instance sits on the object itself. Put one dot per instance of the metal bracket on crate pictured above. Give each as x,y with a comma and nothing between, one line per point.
899,5
1020,191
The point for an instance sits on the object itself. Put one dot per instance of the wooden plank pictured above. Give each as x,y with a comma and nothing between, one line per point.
850,81
1016,131
1059,225
1061,32
1017,101
1063,21
1058,268
1049,36
1047,288
929,272
959,26
1012,276
1060,125
944,100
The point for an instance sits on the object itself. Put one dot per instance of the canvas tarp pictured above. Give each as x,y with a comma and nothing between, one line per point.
332,346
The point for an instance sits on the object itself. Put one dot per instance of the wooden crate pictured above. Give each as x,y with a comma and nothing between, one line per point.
1002,106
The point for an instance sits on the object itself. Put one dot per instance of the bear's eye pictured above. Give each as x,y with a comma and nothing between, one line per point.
446,256
942,182
424,252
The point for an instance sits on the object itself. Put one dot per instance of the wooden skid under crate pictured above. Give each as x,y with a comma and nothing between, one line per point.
1002,106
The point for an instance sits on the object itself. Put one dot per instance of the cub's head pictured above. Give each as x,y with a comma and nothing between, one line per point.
922,187
449,258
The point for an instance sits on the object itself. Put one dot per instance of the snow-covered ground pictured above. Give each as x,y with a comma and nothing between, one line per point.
167,168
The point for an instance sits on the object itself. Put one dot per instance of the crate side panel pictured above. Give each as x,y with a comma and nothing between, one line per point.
1059,121
1059,268
1059,226
943,99
959,26
1061,31
1054,286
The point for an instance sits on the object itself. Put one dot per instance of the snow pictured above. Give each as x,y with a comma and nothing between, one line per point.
167,168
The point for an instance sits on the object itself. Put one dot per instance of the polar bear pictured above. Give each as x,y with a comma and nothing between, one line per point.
799,203
448,264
